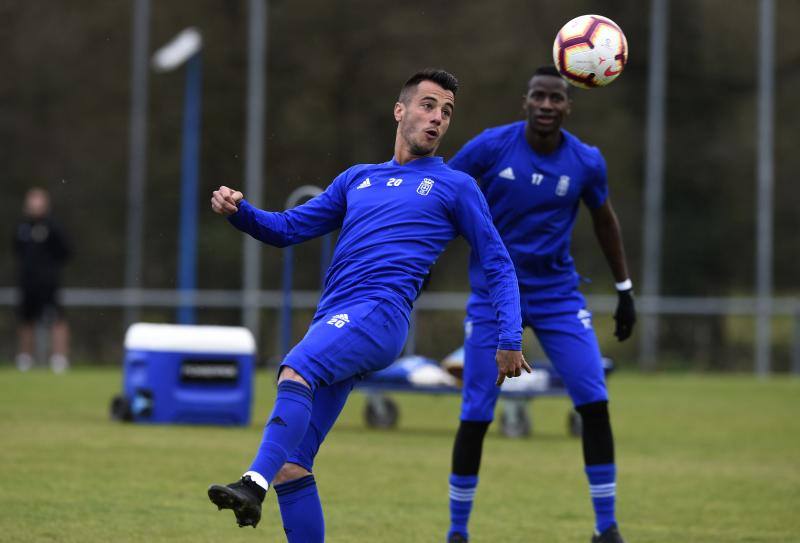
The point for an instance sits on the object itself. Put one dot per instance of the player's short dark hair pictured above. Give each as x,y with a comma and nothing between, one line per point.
444,79
548,70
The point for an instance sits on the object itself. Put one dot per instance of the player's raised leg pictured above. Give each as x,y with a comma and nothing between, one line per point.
283,432
303,371
295,486
371,339
315,380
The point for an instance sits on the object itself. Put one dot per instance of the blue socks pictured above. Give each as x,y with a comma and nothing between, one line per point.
301,510
285,428
603,489
462,493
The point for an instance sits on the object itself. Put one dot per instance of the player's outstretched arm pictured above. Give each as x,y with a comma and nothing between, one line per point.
510,364
225,201
474,221
609,236
320,215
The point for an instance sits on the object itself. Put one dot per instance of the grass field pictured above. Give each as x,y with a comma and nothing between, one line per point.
705,459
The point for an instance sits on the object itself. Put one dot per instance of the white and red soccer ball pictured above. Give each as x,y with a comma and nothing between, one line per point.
590,51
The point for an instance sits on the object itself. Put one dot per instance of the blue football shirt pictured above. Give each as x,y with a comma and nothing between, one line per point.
395,221
534,201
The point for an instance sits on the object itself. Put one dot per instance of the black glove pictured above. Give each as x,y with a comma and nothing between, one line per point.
625,315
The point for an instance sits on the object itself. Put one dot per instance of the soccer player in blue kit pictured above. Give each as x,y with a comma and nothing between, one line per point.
534,174
395,220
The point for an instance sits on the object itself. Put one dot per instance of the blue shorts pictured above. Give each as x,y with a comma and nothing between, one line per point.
338,348
563,327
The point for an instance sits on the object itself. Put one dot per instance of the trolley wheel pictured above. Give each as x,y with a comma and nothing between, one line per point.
120,409
574,424
514,419
381,412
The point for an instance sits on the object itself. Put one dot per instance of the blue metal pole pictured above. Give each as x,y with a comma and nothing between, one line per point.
325,258
286,310
285,338
187,264
411,341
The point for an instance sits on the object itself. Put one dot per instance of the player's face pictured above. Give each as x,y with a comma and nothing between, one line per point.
424,117
547,103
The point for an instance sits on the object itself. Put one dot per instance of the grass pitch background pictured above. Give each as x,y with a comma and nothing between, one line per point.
708,459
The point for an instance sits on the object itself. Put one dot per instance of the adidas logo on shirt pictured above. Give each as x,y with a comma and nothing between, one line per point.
508,173
586,318
340,320
364,184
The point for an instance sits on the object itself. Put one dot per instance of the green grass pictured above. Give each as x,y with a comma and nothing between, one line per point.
706,459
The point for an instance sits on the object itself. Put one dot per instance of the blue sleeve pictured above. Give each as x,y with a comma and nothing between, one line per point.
474,158
474,222
595,193
320,215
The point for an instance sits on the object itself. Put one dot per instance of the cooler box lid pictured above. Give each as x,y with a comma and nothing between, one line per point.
190,338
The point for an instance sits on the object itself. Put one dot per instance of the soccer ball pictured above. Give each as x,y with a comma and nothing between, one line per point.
590,51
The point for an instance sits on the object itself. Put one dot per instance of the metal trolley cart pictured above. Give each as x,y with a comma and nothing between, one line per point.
416,374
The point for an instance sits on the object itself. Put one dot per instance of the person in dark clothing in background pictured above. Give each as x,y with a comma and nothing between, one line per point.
42,249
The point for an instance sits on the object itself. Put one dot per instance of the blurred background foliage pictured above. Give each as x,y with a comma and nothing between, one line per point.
334,69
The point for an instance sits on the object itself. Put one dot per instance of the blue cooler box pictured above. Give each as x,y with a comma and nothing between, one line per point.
188,374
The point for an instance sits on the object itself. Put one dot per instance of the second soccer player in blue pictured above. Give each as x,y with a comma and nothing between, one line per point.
534,175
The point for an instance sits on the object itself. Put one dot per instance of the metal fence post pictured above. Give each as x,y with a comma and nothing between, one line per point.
765,183
137,166
654,181
796,341
254,157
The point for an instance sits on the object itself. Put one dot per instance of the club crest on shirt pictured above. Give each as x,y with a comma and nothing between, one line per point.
563,185
425,187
